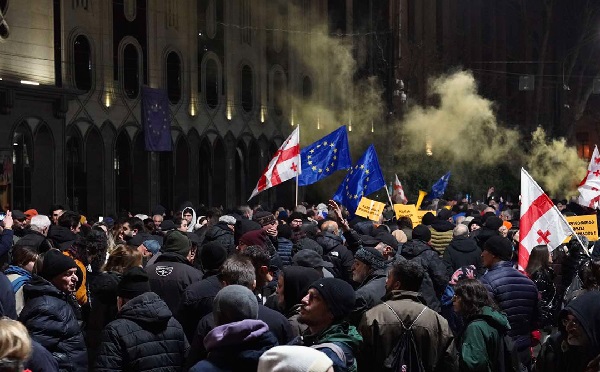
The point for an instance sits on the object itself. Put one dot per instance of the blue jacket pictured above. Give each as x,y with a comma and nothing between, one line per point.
284,248
517,296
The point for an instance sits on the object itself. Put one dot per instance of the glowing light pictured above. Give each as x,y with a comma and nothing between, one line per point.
372,127
350,125
27,82
192,109
263,114
107,100
428,149
292,117
229,112
318,123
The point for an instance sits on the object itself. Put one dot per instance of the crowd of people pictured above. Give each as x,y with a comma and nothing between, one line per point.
309,288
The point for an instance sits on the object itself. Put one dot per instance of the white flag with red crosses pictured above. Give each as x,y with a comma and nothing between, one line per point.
398,195
541,222
589,188
284,165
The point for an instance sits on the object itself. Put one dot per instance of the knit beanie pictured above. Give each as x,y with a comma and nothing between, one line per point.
176,242
371,257
428,218
234,303
134,282
56,263
421,232
264,218
337,294
212,256
499,246
493,222
230,220
255,237
293,359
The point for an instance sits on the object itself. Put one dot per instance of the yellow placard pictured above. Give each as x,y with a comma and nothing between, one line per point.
407,210
585,225
370,209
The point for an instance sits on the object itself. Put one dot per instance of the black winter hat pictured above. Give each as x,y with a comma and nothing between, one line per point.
387,239
493,222
337,294
212,256
167,225
499,246
428,218
444,214
421,232
55,263
134,282
371,257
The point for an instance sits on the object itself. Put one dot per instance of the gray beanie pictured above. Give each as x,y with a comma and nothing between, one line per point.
234,303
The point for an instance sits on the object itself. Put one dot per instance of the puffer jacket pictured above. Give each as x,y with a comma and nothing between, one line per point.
480,342
441,235
368,294
170,276
381,330
221,233
51,319
284,248
434,283
517,296
333,246
144,337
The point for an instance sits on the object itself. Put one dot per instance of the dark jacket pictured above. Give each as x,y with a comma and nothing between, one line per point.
236,346
369,294
284,248
335,252
517,296
144,337
169,277
434,283
7,298
381,330
462,251
103,295
343,335
196,302
61,237
277,323
6,243
480,342
40,359
36,240
483,235
51,319
221,233
549,301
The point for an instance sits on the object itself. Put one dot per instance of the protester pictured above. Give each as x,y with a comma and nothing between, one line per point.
19,272
284,243
538,269
293,283
312,259
335,251
6,238
462,251
145,336
441,227
369,272
403,309
19,352
64,233
35,235
223,233
51,313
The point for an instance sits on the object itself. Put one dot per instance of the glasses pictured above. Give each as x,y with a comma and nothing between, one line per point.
568,323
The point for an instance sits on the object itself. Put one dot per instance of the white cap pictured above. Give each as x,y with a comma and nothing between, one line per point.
293,359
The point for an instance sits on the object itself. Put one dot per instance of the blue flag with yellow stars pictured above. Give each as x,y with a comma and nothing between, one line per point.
439,188
324,157
363,179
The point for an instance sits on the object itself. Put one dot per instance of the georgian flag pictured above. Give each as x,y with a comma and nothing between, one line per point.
284,165
541,222
398,192
589,188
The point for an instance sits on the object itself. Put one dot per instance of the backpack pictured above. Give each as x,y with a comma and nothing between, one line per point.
507,359
405,357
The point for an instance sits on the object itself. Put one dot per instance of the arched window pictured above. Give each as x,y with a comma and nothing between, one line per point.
212,83
82,63
247,96
131,71
173,77
307,88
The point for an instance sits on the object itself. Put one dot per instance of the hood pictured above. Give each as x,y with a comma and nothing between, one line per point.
339,332
464,244
146,310
494,318
188,206
218,230
308,243
442,225
39,286
413,248
586,308
296,280
172,257
104,287
329,241
235,335
61,234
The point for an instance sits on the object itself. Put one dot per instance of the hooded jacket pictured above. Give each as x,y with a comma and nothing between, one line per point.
517,296
333,246
61,237
380,329
169,277
462,251
221,233
344,336
441,234
368,294
189,206
480,342
196,302
51,319
434,283
144,337
236,346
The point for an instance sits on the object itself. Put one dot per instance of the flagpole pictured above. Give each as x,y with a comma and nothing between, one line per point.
389,197
296,191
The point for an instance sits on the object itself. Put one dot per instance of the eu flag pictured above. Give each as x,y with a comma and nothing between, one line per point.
155,119
363,179
324,157
439,188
